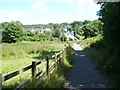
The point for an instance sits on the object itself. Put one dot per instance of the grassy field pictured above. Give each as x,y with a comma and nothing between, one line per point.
18,55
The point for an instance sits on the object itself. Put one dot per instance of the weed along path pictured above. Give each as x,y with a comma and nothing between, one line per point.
83,73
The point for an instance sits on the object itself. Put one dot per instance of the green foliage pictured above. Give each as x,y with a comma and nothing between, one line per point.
80,29
87,43
30,36
105,52
76,26
20,54
63,37
12,32
110,16
57,79
71,39
92,28
79,36
85,22
56,33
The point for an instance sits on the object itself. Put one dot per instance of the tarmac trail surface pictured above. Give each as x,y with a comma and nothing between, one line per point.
83,73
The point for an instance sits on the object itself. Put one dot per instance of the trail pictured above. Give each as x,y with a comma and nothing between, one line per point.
83,73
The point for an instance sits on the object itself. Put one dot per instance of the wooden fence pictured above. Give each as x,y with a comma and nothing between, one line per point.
0,81
49,69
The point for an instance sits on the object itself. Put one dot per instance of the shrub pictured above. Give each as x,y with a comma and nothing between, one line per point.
12,32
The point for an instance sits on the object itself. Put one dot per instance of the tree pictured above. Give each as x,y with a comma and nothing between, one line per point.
56,30
93,28
56,33
110,15
85,22
76,27
12,32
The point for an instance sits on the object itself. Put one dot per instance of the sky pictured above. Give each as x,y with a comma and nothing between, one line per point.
47,11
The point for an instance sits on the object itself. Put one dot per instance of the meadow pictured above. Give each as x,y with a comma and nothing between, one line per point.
18,55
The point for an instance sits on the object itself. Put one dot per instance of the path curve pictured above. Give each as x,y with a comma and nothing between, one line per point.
83,73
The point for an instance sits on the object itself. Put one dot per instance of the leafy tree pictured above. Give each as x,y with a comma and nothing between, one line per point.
56,33
76,26
85,22
92,28
70,29
110,15
2,25
12,32
63,37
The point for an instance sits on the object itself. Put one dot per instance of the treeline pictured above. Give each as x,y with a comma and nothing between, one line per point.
14,31
109,47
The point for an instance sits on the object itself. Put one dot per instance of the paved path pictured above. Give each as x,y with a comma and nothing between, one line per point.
83,74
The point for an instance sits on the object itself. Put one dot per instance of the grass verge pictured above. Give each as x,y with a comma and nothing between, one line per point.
57,78
105,62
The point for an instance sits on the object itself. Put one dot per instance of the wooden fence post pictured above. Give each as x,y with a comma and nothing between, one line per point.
47,67
0,81
60,56
33,71
56,59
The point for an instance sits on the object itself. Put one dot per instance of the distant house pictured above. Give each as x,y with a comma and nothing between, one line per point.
65,30
27,29
69,34
47,29
40,30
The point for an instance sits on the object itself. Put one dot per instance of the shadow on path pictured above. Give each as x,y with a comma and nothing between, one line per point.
83,73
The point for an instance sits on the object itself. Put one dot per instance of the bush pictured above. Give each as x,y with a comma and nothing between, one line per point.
12,32
71,39
63,38
79,37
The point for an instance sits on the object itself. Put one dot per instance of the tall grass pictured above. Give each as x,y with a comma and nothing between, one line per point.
57,79
18,55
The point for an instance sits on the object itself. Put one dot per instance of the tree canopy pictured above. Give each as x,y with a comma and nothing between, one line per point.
110,16
12,32
92,28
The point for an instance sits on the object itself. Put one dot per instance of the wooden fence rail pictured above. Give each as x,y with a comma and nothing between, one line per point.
49,68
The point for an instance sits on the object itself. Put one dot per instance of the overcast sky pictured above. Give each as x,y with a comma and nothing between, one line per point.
47,11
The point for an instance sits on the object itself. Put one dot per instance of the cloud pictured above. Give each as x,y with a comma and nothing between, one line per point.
43,10
3,11
16,1
69,1
15,13
37,5
11,15
86,5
